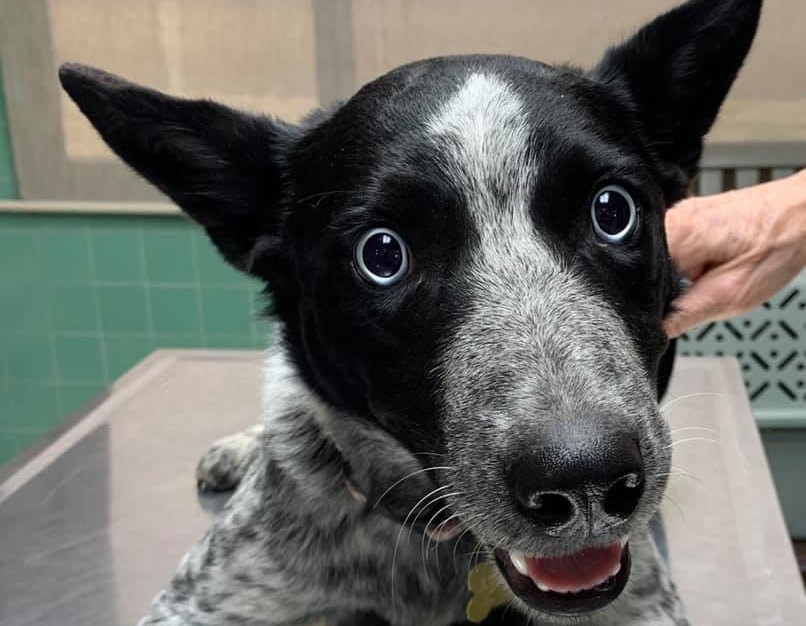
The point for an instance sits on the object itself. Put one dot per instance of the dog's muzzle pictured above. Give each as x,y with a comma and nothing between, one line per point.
583,486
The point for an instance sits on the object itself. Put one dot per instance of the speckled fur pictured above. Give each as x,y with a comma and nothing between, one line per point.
293,546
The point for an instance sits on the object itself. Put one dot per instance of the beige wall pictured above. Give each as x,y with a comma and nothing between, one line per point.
288,56
254,55
768,101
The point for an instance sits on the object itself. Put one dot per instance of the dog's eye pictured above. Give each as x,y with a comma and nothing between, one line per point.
381,256
613,214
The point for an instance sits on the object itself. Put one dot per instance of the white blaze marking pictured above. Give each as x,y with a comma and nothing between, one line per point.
487,141
528,313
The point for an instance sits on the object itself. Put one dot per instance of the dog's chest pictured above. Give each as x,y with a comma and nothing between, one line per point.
360,558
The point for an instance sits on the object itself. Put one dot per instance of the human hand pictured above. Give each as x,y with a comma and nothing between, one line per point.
738,248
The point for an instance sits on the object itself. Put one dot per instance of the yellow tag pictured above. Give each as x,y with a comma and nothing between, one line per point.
486,592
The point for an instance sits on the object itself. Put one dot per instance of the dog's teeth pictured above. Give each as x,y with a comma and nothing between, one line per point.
542,587
519,562
615,571
623,541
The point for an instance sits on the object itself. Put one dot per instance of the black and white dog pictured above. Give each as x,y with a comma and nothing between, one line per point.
468,264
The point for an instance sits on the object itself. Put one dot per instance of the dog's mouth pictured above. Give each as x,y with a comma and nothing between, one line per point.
567,585
571,584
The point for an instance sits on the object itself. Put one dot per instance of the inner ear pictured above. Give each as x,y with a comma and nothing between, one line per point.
223,167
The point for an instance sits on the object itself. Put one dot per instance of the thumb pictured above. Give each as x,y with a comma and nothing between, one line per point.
702,303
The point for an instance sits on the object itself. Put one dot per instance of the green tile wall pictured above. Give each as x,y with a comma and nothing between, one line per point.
8,178
83,298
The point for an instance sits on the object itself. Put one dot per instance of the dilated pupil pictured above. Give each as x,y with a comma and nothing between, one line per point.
612,212
382,255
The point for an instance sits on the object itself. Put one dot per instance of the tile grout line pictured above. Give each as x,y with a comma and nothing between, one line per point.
124,334
53,382
99,325
146,285
202,326
54,361
253,316
175,284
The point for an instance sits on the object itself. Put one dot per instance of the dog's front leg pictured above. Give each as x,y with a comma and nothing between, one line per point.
227,461
236,574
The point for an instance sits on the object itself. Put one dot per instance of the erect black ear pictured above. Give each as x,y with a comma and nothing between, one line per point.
678,69
222,167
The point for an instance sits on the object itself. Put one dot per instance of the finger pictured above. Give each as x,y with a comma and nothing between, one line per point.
679,322
685,241
699,233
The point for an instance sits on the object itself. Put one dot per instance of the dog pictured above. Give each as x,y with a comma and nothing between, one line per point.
468,267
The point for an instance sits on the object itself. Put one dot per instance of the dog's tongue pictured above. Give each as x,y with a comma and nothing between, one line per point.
575,572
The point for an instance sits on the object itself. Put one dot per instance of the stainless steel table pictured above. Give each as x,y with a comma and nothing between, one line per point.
94,523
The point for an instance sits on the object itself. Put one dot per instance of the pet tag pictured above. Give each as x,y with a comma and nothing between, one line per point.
486,592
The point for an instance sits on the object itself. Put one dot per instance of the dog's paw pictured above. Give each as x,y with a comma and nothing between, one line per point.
225,463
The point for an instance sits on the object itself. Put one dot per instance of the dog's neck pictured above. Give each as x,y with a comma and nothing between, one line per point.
324,449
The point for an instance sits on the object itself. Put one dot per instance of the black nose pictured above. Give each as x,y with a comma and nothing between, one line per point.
595,480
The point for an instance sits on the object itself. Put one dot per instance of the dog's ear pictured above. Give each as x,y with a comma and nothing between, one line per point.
223,167
677,70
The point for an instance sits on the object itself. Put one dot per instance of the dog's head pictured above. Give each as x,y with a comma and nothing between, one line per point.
469,254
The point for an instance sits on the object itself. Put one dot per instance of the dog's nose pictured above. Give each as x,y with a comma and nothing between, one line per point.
592,480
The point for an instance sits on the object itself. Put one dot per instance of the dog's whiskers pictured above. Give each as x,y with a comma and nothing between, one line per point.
422,510
477,553
691,439
676,471
455,516
704,428
690,395
403,528
321,196
456,544
406,477
427,539
433,517
477,546
511,605
666,496
468,522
